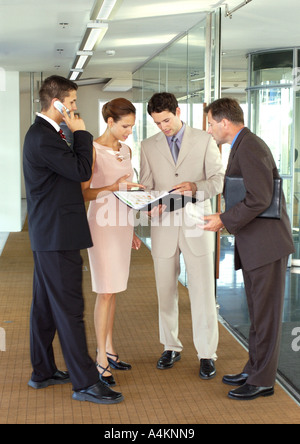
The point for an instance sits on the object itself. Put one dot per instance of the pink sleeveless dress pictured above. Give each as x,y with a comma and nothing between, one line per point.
110,226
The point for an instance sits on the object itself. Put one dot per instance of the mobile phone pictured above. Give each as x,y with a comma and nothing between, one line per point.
59,106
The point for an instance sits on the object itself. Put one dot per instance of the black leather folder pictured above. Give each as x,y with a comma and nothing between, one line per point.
235,192
144,201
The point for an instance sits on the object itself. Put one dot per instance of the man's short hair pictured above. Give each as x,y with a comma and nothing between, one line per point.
226,108
160,102
55,87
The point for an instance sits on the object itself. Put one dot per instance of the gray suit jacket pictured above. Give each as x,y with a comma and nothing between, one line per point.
258,241
199,161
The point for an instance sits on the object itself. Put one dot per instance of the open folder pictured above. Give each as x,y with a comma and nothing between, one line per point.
146,200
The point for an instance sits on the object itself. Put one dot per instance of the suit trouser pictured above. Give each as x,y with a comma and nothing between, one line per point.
265,288
58,305
201,286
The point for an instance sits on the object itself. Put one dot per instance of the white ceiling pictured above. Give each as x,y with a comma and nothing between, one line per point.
32,37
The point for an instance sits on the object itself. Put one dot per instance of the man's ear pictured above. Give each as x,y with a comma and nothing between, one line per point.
225,123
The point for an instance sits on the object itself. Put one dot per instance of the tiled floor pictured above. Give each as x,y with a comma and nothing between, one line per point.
233,309
173,397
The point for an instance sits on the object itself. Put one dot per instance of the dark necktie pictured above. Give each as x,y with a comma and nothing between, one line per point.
174,148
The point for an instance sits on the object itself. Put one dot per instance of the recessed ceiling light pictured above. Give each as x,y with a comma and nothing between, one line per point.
110,52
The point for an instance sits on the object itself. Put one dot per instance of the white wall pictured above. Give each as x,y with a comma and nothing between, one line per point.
88,104
10,155
25,122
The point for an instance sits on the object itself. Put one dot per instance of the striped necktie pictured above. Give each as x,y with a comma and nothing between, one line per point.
174,148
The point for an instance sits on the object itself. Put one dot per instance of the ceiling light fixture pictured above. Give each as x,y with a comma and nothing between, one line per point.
74,75
95,31
106,9
81,61
110,52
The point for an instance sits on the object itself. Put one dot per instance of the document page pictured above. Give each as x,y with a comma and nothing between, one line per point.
140,200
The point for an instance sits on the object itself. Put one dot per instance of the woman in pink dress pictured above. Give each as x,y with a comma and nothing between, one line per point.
112,233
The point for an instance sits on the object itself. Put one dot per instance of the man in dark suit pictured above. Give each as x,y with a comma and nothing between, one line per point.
262,246
58,230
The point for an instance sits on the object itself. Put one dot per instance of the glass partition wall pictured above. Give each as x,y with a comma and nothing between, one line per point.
296,159
273,100
189,68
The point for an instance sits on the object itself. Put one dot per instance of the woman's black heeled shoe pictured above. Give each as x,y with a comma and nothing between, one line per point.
108,380
117,365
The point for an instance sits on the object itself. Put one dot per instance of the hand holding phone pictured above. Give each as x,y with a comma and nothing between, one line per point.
73,122
60,106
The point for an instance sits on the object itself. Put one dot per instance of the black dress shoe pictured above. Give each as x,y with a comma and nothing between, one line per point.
207,369
58,378
116,364
239,379
167,359
248,392
98,394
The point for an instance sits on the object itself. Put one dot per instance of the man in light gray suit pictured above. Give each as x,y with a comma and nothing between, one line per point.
195,168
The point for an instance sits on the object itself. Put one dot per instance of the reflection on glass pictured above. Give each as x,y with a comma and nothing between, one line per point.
272,120
272,68
296,197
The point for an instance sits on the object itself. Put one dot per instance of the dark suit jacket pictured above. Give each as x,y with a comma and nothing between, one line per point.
258,241
53,175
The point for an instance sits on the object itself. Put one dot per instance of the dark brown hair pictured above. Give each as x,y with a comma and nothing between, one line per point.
117,109
226,108
55,87
160,102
